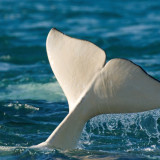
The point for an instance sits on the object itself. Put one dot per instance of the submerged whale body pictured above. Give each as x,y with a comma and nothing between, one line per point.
94,87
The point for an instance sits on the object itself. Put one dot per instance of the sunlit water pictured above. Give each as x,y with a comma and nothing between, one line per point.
31,102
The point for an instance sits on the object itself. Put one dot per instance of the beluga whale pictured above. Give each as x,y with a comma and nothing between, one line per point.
93,87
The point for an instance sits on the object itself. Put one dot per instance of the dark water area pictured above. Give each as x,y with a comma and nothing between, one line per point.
32,103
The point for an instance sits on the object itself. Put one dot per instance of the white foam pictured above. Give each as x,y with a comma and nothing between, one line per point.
36,91
17,106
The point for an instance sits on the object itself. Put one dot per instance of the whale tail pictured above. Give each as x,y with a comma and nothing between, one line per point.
74,63
93,87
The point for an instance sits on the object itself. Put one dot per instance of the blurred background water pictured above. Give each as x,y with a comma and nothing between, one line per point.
31,102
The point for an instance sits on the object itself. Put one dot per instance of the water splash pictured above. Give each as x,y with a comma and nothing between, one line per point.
123,132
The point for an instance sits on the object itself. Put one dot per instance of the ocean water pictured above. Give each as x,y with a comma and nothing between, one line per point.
32,103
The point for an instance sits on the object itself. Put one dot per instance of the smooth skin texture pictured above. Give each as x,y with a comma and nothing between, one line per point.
93,87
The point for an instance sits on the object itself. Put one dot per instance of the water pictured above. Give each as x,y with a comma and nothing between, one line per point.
31,102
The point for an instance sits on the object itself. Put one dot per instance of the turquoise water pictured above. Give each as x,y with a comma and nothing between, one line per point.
31,102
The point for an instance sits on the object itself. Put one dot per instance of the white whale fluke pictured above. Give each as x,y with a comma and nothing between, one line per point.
93,87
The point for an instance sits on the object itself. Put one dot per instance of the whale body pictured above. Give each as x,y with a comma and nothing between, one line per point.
94,87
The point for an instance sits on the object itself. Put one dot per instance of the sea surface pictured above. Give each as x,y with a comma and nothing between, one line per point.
32,103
